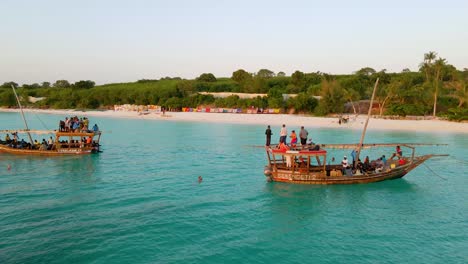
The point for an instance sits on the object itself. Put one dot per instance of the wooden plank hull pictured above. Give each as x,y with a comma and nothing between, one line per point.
321,178
59,152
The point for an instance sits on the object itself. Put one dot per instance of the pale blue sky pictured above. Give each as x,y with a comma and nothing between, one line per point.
117,41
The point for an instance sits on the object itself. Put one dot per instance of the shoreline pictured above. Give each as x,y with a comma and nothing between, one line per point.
437,126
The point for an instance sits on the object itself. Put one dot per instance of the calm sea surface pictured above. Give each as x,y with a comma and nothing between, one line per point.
139,201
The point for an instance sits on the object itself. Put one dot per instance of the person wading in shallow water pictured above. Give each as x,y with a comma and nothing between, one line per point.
268,134
200,179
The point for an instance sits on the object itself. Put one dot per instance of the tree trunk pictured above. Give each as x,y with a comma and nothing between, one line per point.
354,108
383,105
436,81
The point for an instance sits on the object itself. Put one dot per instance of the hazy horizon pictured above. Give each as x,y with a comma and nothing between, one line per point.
119,41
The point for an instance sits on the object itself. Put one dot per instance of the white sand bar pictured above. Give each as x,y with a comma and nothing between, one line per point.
439,126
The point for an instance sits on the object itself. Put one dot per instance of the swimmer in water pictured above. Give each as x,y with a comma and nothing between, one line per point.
9,167
200,179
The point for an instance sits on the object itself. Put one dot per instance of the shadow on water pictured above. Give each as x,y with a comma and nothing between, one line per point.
287,190
67,166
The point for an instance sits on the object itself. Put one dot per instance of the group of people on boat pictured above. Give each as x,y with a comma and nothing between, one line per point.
75,124
357,167
15,142
283,145
45,145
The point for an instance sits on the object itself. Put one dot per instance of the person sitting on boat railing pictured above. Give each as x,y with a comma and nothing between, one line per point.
76,126
22,144
43,145
344,162
398,153
95,128
67,124
311,146
50,143
89,141
366,166
282,146
7,139
379,165
360,165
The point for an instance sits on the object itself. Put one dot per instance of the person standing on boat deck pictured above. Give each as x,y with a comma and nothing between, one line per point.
303,134
67,124
293,137
353,155
268,134
283,134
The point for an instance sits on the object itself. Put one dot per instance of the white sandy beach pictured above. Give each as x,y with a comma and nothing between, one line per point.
275,120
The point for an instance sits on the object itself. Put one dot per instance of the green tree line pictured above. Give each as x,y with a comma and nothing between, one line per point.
437,88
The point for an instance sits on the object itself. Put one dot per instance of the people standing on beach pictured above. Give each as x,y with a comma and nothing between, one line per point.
268,134
283,134
303,134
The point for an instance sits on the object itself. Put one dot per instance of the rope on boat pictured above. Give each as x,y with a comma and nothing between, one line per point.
40,120
434,172
459,160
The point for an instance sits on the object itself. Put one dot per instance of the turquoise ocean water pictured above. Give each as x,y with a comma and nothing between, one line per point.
139,201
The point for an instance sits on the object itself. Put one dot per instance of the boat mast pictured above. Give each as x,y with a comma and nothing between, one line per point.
367,120
22,114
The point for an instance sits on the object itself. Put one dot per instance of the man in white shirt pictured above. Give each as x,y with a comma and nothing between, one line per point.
344,162
283,134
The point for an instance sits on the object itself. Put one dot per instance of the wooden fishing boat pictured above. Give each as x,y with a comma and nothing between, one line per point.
65,143
301,165
297,165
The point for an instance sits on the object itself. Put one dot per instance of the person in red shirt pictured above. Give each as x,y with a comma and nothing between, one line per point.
401,161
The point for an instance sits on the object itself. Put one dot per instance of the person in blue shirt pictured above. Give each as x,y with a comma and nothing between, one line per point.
95,128
354,155
384,160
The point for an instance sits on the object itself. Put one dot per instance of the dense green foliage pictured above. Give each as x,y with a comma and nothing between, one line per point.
437,88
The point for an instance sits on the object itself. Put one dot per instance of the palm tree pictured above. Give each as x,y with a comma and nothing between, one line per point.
426,66
459,84
430,56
